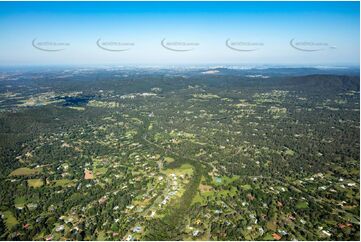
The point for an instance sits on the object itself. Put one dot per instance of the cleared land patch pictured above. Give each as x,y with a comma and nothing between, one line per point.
35,183
10,219
25,171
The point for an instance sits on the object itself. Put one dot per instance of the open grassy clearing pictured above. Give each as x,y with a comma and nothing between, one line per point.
10,219
25,171
35,183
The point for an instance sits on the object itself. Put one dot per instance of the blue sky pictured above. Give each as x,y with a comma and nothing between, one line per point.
334,25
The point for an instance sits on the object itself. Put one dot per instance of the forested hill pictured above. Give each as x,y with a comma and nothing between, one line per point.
326,81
